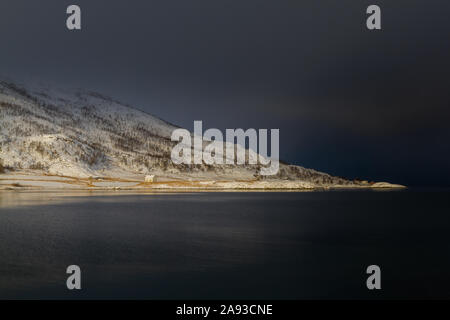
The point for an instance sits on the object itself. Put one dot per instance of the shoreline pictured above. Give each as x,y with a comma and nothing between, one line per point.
25,181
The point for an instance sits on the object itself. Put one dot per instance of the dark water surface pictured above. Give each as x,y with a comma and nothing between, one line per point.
226,245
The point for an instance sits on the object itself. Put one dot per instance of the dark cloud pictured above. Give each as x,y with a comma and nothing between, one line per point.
347,101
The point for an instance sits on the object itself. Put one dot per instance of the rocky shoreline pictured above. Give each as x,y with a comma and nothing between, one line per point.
27,181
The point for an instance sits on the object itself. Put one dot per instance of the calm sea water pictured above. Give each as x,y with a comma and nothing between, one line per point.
225,245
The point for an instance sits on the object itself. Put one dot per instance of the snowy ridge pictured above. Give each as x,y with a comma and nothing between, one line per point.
77,133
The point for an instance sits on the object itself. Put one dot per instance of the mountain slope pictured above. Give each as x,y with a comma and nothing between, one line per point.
79,133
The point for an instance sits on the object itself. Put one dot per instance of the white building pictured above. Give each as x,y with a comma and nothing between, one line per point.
150,178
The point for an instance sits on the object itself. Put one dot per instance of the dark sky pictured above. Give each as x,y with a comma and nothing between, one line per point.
348,101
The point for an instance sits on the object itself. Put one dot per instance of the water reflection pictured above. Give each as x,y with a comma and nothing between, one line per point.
9,199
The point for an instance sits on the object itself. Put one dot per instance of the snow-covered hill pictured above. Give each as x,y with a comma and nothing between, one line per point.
78,133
